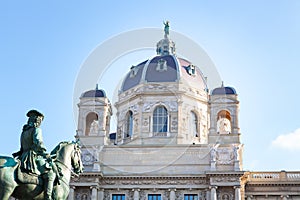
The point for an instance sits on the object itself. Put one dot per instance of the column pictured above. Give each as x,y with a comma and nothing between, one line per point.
172,194
71,193
213,192
237,192
136,194
101,194
207,194
94,193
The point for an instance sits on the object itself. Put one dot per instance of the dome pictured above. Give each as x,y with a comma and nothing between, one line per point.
94,93
162,69
165,67
223,90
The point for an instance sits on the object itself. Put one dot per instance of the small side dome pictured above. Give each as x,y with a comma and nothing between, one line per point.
223,90
94,93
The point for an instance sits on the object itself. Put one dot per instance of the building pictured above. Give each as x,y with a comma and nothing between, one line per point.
175,139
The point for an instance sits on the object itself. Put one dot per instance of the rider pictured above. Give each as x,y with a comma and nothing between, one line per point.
32,154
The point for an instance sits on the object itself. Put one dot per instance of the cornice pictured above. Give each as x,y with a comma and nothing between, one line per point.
225,173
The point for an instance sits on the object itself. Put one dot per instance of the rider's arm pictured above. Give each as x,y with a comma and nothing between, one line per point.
38,141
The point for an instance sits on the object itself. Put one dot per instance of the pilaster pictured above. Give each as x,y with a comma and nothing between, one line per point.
172,194
101,194
94,193
213,192
71,193
237,192
136,194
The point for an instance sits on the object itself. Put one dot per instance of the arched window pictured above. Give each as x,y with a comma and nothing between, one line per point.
194,124
160,120
129,124
91,118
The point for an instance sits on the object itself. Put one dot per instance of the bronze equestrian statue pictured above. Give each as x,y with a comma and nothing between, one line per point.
35,174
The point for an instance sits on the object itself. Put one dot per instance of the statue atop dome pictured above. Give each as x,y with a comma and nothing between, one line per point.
167,28
166,46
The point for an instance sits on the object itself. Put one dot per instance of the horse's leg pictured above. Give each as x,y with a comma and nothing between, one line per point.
7,183
5,193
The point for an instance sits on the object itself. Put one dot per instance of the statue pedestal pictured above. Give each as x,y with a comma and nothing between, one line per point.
96,167
237,165
213,165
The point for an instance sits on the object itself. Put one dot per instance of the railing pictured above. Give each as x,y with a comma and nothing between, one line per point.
293,175
274,176
265,175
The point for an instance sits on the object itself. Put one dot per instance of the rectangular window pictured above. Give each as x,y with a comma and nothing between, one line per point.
160,120
154,196
190,197
118,197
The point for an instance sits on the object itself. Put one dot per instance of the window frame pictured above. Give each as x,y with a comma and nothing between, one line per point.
118,197
128,133
190,197
194,122
160,120
154,197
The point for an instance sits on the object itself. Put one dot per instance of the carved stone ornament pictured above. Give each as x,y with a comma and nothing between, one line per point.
84,179
145,121
172,105
134,108
202,195
83,194
153,182
106,195
143,195
225,156
179,195
166,194
87,157
147,106
226,179
174,124
130,194
157,87
145,124
226,196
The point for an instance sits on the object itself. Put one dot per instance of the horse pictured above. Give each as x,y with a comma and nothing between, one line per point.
66,156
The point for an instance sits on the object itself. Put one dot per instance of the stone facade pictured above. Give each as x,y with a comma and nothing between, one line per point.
175,140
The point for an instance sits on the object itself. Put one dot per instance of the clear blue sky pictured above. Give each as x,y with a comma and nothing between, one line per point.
254,45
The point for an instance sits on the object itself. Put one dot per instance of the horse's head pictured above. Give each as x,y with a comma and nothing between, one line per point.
76,159
69,155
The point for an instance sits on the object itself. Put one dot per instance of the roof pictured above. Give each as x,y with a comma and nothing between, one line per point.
223,90
162,69
93,93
